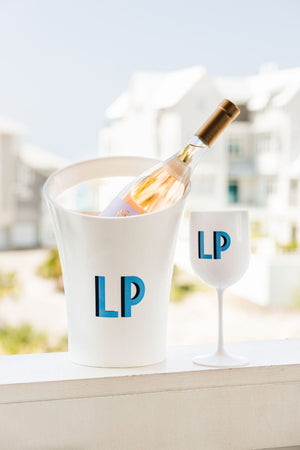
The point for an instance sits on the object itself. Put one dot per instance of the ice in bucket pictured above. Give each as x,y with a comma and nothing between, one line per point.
116,271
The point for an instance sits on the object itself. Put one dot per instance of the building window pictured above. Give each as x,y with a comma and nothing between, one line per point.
233,192
244,114
263,143
294,232
25,186
271,185
294,193
234,147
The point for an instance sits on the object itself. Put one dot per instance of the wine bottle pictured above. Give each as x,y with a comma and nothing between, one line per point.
166,182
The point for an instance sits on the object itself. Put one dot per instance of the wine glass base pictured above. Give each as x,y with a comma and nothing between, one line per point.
221,360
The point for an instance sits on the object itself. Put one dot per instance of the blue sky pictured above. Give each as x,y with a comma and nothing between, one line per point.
62,62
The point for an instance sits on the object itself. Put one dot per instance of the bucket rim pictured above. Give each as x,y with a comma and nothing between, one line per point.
56,205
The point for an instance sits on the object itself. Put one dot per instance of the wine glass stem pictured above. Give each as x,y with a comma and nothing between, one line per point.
220,349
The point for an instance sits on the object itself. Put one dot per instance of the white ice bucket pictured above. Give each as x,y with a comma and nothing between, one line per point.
116,271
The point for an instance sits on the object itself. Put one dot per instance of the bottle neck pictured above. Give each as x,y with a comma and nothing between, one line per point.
192,153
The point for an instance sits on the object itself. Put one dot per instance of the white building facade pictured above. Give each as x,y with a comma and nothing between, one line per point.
254,165
24,220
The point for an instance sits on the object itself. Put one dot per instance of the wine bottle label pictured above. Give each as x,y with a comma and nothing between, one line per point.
119,208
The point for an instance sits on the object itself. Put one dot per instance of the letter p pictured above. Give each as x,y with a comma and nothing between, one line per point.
126,300
218,248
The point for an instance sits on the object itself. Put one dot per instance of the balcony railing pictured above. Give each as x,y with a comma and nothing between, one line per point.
48,402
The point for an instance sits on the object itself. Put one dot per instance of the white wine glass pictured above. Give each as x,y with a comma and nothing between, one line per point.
220,254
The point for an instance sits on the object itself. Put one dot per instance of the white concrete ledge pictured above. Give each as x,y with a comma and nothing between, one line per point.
48,402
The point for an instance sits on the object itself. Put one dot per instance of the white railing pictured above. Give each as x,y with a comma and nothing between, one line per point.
46,402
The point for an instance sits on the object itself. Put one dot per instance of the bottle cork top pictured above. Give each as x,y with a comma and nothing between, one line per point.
226,112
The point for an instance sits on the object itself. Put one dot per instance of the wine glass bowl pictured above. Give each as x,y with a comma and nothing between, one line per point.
216,264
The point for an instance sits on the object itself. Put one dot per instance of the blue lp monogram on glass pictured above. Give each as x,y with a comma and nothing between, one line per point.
126,300
221,242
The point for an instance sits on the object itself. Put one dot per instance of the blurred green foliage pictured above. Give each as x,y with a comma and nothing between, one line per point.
295,299
256,230
51,267
183,284
25,339
291,246
8,284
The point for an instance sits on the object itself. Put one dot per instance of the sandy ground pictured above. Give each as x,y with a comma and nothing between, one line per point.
193,320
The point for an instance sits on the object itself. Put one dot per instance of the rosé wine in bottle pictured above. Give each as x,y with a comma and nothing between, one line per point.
166,182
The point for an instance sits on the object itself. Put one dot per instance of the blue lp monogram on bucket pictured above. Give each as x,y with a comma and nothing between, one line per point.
126,300
221,242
